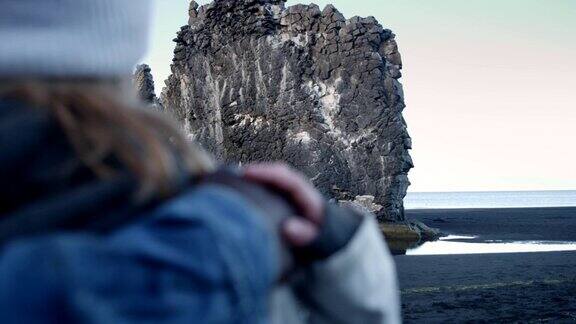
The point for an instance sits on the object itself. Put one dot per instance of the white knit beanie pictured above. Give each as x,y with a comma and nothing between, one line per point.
72,38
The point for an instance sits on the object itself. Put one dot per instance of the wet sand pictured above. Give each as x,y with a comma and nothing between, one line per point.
512,287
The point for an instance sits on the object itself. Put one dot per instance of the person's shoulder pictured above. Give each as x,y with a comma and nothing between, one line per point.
196,239
190,223
212,205
214,216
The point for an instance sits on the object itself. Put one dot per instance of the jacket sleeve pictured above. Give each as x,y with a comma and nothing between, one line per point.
205,257
355,285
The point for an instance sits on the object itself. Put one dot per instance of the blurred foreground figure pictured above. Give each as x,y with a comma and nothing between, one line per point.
108,214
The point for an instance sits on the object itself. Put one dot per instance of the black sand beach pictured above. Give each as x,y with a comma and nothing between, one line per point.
512,287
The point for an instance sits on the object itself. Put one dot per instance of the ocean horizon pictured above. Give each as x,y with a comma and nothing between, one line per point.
490,199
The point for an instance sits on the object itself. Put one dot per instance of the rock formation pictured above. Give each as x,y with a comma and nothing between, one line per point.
253,80
144,83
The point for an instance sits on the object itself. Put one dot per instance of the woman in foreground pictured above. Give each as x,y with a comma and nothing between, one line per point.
108,215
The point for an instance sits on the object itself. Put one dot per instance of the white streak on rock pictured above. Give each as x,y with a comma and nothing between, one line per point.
302,137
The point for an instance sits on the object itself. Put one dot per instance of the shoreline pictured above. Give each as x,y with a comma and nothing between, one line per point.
506,287
506,224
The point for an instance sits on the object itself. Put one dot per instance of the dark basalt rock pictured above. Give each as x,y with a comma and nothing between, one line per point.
255,81
144,83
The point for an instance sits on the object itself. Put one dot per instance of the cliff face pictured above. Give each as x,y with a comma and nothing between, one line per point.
255,81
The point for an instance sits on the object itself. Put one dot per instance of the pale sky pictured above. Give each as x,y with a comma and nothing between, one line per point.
490,87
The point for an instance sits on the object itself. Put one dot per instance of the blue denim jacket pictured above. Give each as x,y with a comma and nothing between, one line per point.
205,256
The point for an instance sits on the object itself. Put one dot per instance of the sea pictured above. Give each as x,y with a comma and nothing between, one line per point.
453,244
490,199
